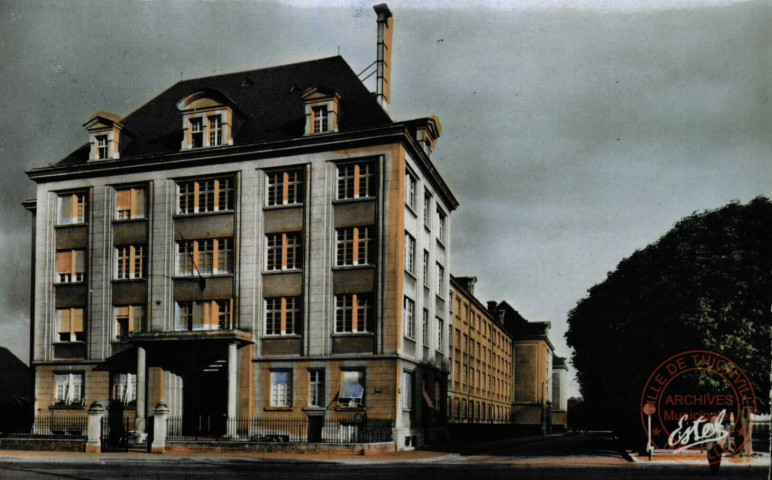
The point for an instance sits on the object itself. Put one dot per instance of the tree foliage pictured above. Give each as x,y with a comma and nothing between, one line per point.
706,284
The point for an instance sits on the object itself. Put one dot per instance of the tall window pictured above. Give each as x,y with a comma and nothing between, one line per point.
207,315
285,187
283,251
440,343
196,132
130,262
427,210
281,388
410,190
70,322
282,315
442,225
320,118
407,390
201,196
205,257
440,280
69,389
125,388
215,130
426,268
408,317
409,253
102,149
354,246
356,180
353,313
316,388
425,327
72,208
70,266
352,392
128,320
129,203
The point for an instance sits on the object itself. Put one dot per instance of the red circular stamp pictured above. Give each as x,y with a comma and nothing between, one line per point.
697,401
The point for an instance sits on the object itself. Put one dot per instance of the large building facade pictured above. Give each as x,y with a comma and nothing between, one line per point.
481,384
266,243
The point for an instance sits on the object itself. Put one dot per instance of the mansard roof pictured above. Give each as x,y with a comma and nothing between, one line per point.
268,101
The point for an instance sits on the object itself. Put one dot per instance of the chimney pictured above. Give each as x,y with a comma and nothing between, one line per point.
383,61
492,306
467,283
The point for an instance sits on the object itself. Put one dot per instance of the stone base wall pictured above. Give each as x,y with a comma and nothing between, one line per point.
342,448
39,444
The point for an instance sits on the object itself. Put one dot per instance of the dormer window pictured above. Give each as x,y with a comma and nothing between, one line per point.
320,118
102,152
207,119
196,132
215,130
321,110
104,135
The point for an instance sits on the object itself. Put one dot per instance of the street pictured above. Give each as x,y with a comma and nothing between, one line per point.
591,456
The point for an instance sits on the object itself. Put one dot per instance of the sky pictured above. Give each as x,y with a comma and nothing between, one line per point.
574,132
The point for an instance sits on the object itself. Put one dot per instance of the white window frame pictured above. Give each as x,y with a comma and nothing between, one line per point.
281,393
354,246
205,195
280,248
427,213
319,114
411,189
442,228
78,208
137,203
408,387
214,130
285,187
425,327
440,280
130,262
359,377
316,382
349,310
124,388
410,245
289,314
69,389
135,316
440,327
408,318
352,179
71,274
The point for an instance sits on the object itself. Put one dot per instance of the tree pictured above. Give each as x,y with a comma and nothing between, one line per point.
706,284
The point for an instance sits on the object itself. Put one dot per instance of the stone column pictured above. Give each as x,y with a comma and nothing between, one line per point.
160,414
232,388
96,413
141,391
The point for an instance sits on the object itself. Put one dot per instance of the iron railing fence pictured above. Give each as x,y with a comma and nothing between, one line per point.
65,425
287,429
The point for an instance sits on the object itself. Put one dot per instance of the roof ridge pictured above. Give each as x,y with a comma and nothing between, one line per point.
274,67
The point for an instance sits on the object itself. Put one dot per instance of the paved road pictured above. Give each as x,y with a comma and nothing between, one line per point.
592,457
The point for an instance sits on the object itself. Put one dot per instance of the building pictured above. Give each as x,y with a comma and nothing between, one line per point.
15,394
267,243
481,386
533,354
559,407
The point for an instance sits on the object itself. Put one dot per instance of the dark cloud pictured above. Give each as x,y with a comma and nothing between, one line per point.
571,137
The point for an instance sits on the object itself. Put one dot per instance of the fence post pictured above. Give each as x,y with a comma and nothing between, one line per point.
96,413
160,414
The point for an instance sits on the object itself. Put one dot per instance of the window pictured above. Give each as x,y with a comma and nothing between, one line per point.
102,151
69,389
129,203
353,313
407,390
196,132
125,388
212,256
356,180
427,210
320,118
128,319
282,315
316,388
130,262
283,251
425,327
410,190
201,196
281,388
352,392
215,130
70,321
208,315
409,253
354,246
442,229
72,208
70,266
440,347
285,188
440,280
408,317
426,268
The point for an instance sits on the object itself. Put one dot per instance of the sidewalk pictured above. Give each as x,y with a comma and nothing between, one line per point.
759,459
25,456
